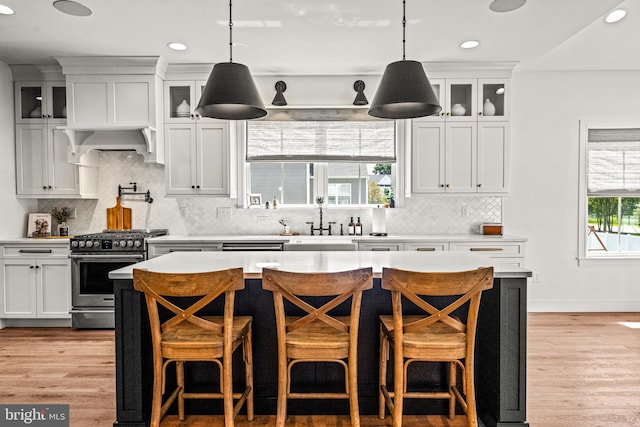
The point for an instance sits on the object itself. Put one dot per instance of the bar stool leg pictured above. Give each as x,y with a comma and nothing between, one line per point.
283,383
353,390
180,384
248,370
382,373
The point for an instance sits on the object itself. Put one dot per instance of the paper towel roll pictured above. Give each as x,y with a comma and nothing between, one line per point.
379,221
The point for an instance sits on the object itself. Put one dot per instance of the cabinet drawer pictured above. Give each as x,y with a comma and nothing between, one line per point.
498,249
157,250
38,251
426,247
380,246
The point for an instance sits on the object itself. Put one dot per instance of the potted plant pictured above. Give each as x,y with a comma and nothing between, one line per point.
61,216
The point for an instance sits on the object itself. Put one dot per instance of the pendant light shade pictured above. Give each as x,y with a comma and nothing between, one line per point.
404,93
231,94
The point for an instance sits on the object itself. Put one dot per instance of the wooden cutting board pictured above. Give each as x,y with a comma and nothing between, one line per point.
118,217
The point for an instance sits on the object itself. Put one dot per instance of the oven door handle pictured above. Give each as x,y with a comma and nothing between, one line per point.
106,256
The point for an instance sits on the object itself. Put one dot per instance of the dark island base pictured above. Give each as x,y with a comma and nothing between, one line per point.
500,359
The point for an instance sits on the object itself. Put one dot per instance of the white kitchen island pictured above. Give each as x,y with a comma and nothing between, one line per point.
501,336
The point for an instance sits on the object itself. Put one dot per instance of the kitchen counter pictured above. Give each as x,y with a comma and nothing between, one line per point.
39,241
373,239
501,336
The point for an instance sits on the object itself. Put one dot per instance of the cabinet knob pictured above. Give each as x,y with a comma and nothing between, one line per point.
37,266
479,113
197,186
44,187
193,116
448,113
32,266
448,185
479,185
50,187
442,185
193,186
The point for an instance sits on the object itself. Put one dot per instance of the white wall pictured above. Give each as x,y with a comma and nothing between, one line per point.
543,203
13,214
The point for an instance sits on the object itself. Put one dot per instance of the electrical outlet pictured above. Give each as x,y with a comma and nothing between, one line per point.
262,219
72,213
464,211
183,211
224,213
536,277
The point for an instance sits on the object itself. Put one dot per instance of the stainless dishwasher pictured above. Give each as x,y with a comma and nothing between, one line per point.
252,246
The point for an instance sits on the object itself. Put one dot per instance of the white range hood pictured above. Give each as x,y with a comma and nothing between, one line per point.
114,103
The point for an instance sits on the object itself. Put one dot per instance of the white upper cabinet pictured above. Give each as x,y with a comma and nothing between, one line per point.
471,99
181,99
464,149
197,159
41,102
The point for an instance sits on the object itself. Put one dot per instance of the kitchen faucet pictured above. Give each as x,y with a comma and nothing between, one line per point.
320,201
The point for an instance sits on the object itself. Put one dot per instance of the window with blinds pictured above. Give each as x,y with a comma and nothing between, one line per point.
613,161
611,187
321,141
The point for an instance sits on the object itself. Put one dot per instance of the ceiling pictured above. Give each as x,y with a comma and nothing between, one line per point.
285,37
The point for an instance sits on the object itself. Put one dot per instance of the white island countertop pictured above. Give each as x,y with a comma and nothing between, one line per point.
317,262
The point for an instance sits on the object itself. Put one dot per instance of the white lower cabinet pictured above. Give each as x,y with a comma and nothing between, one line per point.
35,287
396,246
507,253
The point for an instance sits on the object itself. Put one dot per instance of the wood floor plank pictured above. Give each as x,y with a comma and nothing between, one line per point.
582,370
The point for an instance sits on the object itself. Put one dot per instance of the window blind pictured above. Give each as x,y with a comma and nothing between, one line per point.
614,161
321,141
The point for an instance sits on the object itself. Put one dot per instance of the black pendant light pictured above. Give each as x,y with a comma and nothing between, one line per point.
230,92
404,91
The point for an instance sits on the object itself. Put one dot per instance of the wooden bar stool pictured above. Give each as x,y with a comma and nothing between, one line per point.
317,336
438,335
188,337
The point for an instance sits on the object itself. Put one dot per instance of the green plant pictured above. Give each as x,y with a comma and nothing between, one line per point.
60,214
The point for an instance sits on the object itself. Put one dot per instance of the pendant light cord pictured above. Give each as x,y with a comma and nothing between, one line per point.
230,33
404,25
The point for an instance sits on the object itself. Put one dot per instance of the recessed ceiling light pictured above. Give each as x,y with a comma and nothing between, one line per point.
71,7
470,44
506,5
177,46
615,16
6,10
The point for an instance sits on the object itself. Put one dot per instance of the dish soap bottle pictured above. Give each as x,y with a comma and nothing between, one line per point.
358,228
351,228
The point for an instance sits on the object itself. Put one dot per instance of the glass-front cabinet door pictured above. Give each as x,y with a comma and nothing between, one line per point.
40,102
439,86
461,99
493,95
181,100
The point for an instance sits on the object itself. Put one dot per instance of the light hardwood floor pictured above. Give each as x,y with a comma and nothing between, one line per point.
582,371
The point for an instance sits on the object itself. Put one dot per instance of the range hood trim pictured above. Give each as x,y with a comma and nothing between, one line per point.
77,136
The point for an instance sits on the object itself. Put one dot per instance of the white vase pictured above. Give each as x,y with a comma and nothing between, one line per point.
183,109
488,108
458,110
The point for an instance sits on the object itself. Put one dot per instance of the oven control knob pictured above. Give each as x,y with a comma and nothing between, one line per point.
137,243
81,243
74,244
130,243
123,244
96,243
116,243
89,243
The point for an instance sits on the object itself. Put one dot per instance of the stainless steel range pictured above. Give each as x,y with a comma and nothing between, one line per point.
93,256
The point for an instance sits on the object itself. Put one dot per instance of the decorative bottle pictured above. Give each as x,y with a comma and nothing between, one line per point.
351,228
358,228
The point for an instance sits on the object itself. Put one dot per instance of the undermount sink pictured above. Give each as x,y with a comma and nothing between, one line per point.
320,243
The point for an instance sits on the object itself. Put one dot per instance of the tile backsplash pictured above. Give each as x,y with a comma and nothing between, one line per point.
436,214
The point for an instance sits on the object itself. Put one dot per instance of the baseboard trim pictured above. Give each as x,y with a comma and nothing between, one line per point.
35,323
583,306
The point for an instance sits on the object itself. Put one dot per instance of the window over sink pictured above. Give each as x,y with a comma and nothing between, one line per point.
350,162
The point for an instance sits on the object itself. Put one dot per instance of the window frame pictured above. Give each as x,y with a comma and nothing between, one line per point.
584,258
